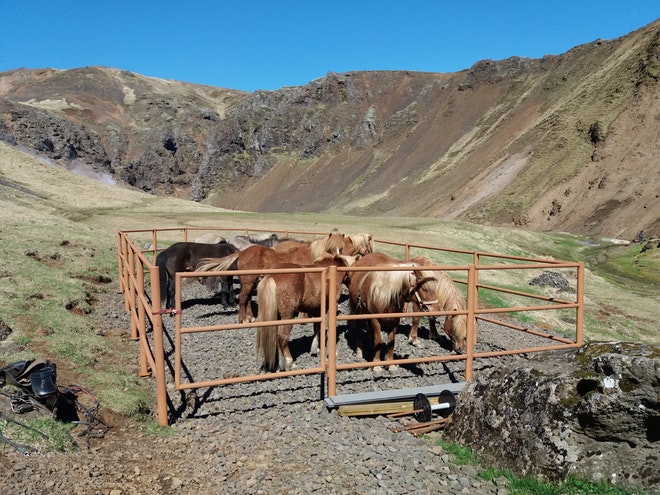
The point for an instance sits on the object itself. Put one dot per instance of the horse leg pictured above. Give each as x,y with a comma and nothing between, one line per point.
314,349
285,357
434,328
231,297
170,291
413,338
391,326
245,299
377,341
226,291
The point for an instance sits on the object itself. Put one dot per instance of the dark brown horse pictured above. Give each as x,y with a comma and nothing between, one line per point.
260,257
450,299
283,296
379,292
184,257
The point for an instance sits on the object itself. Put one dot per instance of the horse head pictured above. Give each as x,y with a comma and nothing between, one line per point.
456,328
424,291
360,244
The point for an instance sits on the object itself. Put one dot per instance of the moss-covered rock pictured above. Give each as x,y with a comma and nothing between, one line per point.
593,413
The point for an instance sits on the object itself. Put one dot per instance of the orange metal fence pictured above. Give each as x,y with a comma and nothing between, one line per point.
147,324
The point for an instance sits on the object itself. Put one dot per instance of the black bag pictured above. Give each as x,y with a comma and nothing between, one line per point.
35,377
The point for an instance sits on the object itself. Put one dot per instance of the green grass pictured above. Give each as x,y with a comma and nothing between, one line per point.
40,434
628,264
462,455
527,485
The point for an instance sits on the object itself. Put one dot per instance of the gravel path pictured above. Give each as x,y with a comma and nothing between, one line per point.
265,437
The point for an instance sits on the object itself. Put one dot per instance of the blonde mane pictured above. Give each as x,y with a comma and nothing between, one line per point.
332,243
390,288
362,243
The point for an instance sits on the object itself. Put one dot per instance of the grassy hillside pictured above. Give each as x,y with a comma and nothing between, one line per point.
58,251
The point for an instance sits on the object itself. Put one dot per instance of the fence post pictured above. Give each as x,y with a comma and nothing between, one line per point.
159,350
331,372
579,316
471,320
120,264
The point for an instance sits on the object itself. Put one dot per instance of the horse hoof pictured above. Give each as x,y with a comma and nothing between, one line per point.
416,342
392,368
378,369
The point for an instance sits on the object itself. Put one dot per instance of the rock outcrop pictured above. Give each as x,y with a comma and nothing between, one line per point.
592,413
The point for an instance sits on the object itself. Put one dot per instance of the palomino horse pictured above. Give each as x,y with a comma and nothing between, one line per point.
184,257
450,299
378,291
283,296
259,257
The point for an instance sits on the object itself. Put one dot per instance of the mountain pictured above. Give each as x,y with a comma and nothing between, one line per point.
562,143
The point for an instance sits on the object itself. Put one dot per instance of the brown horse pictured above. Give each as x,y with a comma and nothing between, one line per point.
283,296
450,299
377,291
260,257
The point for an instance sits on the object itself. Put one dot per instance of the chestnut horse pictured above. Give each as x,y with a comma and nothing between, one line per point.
260,257
450,299
283,296
377,291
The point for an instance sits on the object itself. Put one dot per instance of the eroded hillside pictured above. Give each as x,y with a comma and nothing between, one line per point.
563,143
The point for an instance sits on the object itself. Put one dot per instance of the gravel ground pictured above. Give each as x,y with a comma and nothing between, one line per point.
265,437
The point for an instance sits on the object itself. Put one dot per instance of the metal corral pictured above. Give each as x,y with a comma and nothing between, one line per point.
137,265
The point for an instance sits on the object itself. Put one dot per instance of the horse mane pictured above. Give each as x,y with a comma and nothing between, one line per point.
448,294
390,288
345,259
362,243
262,237
332,243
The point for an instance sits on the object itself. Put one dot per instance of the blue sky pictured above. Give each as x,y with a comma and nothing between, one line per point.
252,45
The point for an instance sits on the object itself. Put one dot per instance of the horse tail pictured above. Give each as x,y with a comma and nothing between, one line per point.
218,264
163,276
267,336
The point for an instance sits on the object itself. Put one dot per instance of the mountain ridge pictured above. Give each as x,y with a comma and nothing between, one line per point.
563,143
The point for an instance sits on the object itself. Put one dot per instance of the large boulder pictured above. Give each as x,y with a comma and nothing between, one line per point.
592,413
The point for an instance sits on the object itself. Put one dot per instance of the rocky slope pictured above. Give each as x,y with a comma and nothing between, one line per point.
567,142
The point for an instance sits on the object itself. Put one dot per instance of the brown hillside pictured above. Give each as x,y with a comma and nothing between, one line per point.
563,143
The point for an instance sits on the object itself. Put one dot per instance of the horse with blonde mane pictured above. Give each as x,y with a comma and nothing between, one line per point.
450,299
283,296
259,257
381,291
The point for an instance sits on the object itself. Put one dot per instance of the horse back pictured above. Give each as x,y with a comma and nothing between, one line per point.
217,250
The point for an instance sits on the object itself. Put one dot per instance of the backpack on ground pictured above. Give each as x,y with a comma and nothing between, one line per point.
35,377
